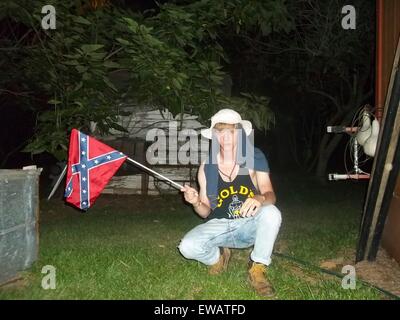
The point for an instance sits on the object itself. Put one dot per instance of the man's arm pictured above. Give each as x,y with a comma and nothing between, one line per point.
267,194
204,209
199,200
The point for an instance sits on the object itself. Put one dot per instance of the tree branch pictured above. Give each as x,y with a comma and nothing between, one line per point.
327,95
22,94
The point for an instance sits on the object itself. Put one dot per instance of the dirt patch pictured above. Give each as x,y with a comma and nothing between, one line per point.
384,272
281,246
18,282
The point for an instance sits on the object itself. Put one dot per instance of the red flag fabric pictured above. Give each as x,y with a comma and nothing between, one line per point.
91,165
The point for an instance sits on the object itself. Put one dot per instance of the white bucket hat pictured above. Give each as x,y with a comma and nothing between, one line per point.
227,116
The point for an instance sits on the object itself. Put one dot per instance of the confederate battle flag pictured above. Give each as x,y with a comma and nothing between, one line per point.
91,164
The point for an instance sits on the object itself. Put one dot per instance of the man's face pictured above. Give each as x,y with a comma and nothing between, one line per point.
226,135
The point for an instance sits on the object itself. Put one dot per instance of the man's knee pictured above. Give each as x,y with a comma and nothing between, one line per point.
188,247
270,214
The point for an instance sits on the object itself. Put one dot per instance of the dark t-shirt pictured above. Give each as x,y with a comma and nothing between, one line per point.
232,195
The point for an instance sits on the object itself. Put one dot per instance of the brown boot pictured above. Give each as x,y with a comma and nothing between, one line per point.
222,263
258,280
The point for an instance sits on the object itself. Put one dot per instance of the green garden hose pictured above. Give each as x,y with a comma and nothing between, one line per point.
339,275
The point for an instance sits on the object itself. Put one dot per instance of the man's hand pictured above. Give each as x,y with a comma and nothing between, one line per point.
191,195
250,207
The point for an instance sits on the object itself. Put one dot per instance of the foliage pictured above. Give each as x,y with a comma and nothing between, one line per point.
173,58
327,67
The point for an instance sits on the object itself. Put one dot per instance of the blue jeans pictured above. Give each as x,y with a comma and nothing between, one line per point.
202,242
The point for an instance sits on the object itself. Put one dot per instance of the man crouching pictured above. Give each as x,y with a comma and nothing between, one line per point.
238,201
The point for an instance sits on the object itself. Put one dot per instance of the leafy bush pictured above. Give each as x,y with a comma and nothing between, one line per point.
172,58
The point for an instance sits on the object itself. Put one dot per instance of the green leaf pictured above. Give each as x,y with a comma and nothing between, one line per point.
97,55
35,147
131,22
78,86
109,83
78,30
71,63
111,64
79,104
81,69
123,41
53,101
82,20
265,28
71,56
216,78
86,76
177,84
87,48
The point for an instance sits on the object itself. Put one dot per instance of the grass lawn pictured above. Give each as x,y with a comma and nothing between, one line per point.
125,247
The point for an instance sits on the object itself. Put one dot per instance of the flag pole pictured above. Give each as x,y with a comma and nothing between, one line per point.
177,185
57,183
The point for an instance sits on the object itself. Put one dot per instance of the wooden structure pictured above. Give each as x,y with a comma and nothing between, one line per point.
142,124
389,38
381,217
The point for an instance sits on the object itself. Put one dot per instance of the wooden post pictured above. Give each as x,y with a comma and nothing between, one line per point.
375,210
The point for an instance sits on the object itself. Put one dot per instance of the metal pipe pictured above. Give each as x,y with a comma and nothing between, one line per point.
379,93
356,168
